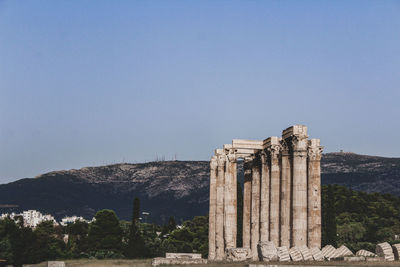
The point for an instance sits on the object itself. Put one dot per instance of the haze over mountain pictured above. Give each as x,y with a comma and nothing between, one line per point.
170,188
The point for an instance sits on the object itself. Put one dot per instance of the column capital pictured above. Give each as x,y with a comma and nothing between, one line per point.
286,147
299,143
213,163
231,156
274,151
314,150
221,161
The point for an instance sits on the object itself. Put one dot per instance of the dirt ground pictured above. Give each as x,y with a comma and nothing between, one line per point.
147,263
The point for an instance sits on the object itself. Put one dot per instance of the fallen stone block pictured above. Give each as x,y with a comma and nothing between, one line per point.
283,254
305,252
183,255
328,251
317,254
396,251
238,254
365,253
267,251
342,251
177,261
354,258
55,264
385,250
295,254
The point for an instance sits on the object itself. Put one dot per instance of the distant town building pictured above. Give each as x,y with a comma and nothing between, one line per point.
67,220
31,217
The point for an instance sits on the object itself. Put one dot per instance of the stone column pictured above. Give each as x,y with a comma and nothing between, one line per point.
264,207
274,151
213,207
219,217
230,199
255,206
247,203
314,193
299,187
285,214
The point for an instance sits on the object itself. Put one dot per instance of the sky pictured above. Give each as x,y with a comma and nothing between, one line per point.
88,83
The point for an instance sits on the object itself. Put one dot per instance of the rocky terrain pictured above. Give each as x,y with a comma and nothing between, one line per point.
170,188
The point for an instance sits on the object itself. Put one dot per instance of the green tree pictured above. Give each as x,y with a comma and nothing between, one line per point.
329,231
105,233
78,238
136,247
171,224
136,209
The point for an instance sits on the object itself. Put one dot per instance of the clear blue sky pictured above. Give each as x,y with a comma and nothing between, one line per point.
86,83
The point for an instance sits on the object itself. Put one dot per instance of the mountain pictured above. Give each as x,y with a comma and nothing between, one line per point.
170,188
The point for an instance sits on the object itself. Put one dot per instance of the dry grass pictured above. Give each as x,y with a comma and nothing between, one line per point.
147,263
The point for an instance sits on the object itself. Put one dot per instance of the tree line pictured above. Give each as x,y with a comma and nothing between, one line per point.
358,220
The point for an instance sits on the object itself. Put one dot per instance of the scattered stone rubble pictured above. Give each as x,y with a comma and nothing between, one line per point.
238,254
179,258
295,254
342,252
317,254
267,251
365,253
305,252
283,254
328,251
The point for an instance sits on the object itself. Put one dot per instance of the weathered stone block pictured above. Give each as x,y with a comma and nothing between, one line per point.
328,251
396,251
267,251
317,254
342,251
283,254
177,261
238,254
295,254
183,255
365,253
305,252
55,264
385,250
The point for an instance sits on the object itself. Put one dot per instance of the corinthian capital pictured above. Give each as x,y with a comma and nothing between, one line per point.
274,151
299,142
231,156
221,160
213,163
314,150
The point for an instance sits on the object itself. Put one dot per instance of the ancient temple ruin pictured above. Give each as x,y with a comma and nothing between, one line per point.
281,193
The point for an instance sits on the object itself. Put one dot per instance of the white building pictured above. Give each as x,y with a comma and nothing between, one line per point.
67,220
31,217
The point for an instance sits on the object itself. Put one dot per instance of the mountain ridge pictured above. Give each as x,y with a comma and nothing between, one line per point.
171,188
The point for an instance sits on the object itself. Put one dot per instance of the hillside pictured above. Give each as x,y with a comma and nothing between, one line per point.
178,188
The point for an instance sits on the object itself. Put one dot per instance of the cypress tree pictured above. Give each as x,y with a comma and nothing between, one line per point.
136,247
136,209
171,224
330,218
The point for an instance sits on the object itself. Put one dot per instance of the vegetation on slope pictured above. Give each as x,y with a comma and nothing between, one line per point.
356,219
